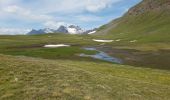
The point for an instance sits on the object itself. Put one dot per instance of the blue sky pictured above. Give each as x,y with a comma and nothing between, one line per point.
20,16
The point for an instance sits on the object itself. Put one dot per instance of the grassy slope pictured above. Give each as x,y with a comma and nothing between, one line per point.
31,78
149,28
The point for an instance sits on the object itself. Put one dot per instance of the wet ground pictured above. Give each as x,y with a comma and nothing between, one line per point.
152,59
102,56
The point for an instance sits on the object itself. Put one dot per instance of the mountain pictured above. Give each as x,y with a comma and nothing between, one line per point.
41,31
72,29
62,29
33,31
147,21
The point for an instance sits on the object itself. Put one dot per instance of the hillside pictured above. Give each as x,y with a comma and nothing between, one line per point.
149,21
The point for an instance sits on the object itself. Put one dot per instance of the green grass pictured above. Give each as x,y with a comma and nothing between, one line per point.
49,53
58,73
40,79
149,27
32,46
26,40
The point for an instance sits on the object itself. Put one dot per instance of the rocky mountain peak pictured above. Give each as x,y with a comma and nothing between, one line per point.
72,29
62,29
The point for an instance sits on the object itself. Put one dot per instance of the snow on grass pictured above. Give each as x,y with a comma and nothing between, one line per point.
56,46
102,40
92,32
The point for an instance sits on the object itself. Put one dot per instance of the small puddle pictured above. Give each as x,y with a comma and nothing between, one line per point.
102,56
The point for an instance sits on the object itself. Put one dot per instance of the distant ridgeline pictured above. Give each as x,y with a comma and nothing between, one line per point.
72,29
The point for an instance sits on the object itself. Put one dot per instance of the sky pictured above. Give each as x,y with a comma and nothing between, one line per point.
20,16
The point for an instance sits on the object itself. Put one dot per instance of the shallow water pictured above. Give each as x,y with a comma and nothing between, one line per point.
150,59
102,56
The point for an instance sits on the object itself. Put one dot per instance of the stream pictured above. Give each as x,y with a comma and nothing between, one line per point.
102,56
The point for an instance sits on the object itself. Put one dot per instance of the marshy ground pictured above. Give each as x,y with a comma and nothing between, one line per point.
30,71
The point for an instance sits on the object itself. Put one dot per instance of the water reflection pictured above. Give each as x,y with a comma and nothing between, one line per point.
102,56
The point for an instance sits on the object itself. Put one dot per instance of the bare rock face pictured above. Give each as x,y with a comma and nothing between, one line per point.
150,5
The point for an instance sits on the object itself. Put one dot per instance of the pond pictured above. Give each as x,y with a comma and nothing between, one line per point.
102,56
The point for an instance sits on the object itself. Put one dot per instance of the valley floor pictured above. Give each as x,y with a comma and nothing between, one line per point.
29,71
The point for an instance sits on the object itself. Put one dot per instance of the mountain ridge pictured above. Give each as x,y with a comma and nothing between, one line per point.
71,29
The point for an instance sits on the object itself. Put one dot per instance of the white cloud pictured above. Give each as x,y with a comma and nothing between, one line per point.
54,25
43,7
3,2
25,14
96,5
12,9
43,12
88,18
13,31
73,6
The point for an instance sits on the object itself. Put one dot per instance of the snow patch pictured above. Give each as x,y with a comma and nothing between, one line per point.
72,30
56,46
47,30
102,40
92,32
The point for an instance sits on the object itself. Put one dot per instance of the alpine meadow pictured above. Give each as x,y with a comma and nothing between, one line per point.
78,50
